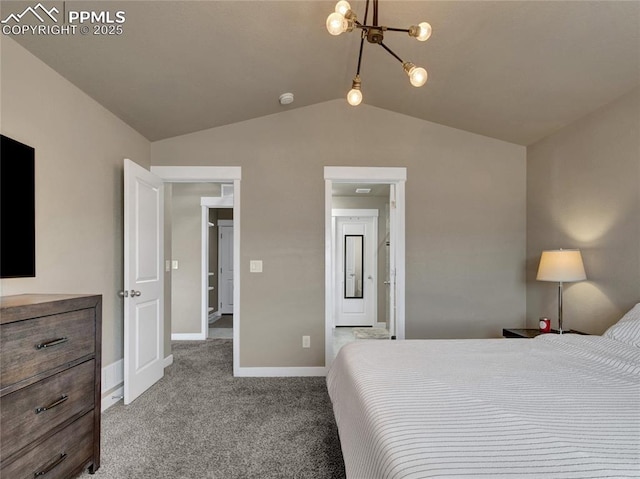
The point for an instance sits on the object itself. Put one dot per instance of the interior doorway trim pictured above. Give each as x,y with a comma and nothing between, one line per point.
206,203
375,175
216,174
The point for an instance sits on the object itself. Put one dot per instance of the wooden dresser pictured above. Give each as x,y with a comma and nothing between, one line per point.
49,385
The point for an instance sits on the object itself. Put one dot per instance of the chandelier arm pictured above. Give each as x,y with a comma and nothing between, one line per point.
381,27
391,52
375,12
391,29
360,54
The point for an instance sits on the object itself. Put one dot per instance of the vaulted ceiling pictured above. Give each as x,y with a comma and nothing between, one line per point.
512,70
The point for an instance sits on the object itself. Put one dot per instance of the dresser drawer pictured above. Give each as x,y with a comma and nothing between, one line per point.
30,347
61,455
63,396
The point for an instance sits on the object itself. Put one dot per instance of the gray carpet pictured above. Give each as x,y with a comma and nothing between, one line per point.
201,422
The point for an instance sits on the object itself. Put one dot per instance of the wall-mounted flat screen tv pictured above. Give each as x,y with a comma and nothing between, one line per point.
17,210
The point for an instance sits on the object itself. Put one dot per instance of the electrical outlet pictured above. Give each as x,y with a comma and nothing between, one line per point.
306,341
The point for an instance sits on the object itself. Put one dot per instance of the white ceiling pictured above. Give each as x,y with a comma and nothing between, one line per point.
513,70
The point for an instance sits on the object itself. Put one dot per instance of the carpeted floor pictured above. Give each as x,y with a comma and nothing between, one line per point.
201,422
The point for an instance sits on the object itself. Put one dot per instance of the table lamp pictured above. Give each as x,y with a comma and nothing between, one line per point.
562,266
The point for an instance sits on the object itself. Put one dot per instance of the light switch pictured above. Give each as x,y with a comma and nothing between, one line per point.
255,266
174,264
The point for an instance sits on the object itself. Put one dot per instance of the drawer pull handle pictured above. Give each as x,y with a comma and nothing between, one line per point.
55,403
54,464
53,342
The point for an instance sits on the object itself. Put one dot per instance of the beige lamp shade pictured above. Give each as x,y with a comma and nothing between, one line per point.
561,265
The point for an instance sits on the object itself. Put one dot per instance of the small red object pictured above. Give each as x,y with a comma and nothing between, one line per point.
545,325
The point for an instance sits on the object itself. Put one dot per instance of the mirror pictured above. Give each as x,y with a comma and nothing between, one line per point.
353,266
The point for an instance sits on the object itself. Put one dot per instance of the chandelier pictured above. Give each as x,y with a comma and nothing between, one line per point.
345,20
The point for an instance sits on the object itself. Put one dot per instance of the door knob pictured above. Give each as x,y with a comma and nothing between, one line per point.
387,282
135,293
123,294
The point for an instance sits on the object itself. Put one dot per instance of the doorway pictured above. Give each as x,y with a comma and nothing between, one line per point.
217,266
395,179
226,175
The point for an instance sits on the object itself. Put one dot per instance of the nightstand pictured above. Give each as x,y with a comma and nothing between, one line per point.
532,333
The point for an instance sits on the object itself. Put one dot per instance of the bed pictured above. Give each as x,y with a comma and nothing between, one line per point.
551,407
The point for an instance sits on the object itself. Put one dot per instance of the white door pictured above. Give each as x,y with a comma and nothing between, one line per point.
143,280
356,270
225,264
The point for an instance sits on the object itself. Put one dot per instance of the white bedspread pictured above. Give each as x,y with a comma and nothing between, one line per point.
552,407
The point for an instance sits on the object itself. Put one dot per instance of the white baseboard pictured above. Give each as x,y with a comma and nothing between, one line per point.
381,325
188,337
113,380
280,372
112,398
168,361
214,316
112,375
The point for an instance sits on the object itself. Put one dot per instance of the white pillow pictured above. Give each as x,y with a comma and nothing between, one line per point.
627,329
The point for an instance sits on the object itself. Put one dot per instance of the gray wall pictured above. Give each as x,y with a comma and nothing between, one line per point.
583,191
186,248
465,223
80,148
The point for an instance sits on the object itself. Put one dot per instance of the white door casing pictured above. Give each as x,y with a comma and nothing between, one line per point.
391,287
225,266
207,202
396,176
216,174
143,280
356,311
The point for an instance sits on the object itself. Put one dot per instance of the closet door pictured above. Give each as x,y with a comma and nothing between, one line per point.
225,266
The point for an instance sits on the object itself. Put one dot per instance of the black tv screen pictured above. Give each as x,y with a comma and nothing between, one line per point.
17,210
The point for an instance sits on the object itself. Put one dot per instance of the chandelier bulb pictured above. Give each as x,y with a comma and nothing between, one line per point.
417,75
337,24
354,97
422,32
342,7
